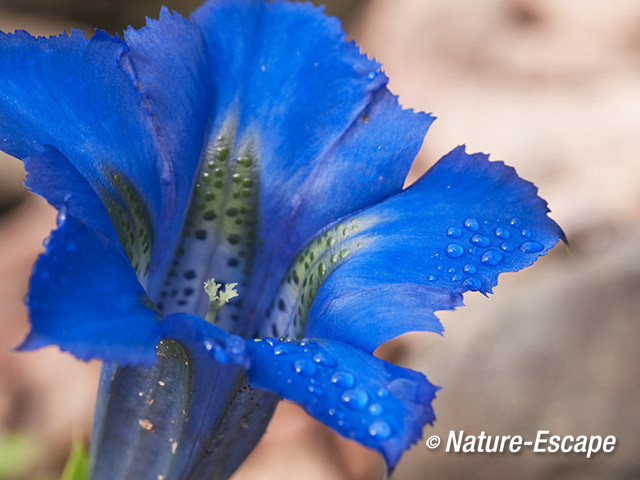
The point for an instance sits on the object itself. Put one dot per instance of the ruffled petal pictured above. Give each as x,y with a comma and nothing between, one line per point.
85,298
373,402
52,176
129,118
306,123
387,269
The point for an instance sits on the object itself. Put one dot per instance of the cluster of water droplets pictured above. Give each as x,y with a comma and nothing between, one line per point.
478,245
331,392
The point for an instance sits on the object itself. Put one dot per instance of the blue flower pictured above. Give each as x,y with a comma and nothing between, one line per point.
253,145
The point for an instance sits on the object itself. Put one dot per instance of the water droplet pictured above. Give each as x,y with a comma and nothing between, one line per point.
491,258
507,247
323,358
309,343
471,224
343,379
472,250
479,241
382,392
455,250
380,429
270,341
208,345
375,409
502,233
531,247
452,270
432,278
469,269
355,399
305,367
62,217
315,390
454,232
525,233
339,414
371,75
515,222
472,284
281,350
456,278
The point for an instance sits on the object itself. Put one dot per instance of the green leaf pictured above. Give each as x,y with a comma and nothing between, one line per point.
77,467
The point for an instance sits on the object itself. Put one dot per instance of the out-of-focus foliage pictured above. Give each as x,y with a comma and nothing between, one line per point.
77,467
17,453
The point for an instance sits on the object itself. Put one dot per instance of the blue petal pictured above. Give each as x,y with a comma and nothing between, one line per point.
85,298
460,226
378,404
326,135
114,111
52,176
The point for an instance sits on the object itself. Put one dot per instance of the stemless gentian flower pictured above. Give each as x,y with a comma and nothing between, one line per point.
253,145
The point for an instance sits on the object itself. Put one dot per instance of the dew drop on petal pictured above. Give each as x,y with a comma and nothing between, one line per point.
507,247
375,409
479,241
355,399
471,224
382,393
305,367
343,379
456,278
502,233
62,217
280,350
323,358
379,429
491,258
454,232
469,269
515,222
309,343
452,270
432,278
525,233
339,414
454,250
472,284
531,247
314,389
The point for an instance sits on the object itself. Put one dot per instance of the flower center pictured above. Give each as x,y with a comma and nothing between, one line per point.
219,232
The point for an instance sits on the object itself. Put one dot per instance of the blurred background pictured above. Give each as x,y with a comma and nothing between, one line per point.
552,87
